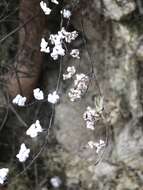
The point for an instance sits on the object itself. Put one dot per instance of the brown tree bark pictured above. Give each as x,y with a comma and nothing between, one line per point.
23,79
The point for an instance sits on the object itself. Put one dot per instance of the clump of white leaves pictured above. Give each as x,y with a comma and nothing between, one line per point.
66,13
56,182
98,146
90,116
80,86
23,153
44,46
38,94
55,1
44,7
69,36
53,97
75,53
70,72
3,174
57,50
19,100
34,129
57,40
